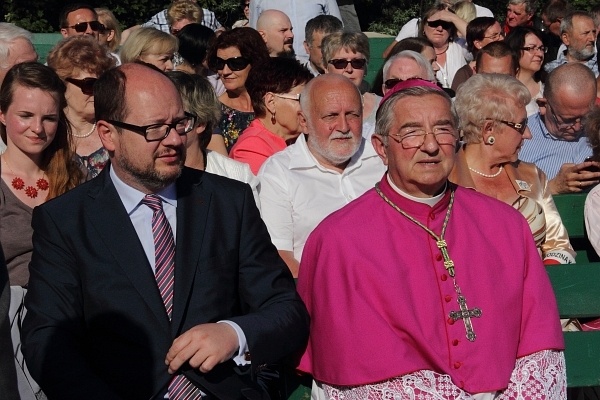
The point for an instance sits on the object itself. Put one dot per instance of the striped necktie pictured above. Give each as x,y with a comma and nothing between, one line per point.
180,387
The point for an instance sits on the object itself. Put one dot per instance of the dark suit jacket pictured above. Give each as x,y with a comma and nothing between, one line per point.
96,326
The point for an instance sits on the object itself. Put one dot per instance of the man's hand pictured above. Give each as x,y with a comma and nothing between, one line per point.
573,178
203,347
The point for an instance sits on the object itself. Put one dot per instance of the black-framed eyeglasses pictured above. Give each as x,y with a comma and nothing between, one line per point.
444,24
390,83
86,84
340,63
533,49
565,123
517,126
234,63
82,26
157,132
414,138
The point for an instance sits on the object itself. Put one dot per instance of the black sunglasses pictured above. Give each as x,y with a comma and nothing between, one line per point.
234,63
444,24
517,126
340,63
82,26
390,83
86,84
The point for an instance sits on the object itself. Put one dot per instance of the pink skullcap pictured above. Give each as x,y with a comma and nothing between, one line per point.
412,82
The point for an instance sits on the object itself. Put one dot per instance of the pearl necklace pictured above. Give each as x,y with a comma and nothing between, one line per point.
488,175
85,134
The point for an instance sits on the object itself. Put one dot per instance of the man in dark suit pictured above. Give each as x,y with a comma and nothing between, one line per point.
99,326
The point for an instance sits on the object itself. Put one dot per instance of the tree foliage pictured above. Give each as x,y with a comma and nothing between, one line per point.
384,16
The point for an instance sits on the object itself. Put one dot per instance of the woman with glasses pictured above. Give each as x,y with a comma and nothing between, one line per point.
233,55
275,92
38,165
79,61
480,32
347,54
110,34
493,121
440,27
527,43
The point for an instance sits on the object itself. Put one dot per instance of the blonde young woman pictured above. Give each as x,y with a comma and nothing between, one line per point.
37,166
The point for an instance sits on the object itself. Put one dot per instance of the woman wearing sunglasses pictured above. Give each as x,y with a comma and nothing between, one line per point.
440,27
527,43
232,55
493,120
275,92
37,166
347,54
79,61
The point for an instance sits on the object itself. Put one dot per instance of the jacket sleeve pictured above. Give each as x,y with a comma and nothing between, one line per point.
556,249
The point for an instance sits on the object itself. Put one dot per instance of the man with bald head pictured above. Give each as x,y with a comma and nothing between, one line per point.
299,13
330,165
153,279
277,31
558,145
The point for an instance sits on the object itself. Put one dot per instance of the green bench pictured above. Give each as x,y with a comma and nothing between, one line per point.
570,207
577,290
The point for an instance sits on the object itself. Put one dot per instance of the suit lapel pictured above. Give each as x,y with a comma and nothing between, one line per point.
116,230
193,203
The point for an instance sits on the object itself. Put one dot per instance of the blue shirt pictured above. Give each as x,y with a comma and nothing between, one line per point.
592,63
548,152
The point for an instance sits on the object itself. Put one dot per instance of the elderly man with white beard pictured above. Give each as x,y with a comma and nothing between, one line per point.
330,165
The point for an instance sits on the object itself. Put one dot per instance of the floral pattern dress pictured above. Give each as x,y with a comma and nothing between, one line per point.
232,124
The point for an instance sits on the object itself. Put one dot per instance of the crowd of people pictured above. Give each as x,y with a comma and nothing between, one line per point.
186,209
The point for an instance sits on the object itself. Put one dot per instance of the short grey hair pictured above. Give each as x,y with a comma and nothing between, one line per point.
566,25
529,6
386,116
425,65
356,42
483,97
8,34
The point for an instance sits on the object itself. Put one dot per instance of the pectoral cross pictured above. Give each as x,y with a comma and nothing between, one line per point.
465,314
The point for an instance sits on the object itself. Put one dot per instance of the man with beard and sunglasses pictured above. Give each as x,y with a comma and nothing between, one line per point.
558,145
330,165
578,34
154,279
79,19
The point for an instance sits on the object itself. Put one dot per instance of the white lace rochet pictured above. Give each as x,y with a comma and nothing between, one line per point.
538,376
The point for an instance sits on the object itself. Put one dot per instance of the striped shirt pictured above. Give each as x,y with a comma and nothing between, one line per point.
548,152
159,21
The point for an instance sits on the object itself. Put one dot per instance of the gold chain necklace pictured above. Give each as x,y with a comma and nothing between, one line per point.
465,314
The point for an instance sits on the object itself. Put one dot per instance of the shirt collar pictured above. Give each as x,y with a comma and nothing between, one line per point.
131,197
